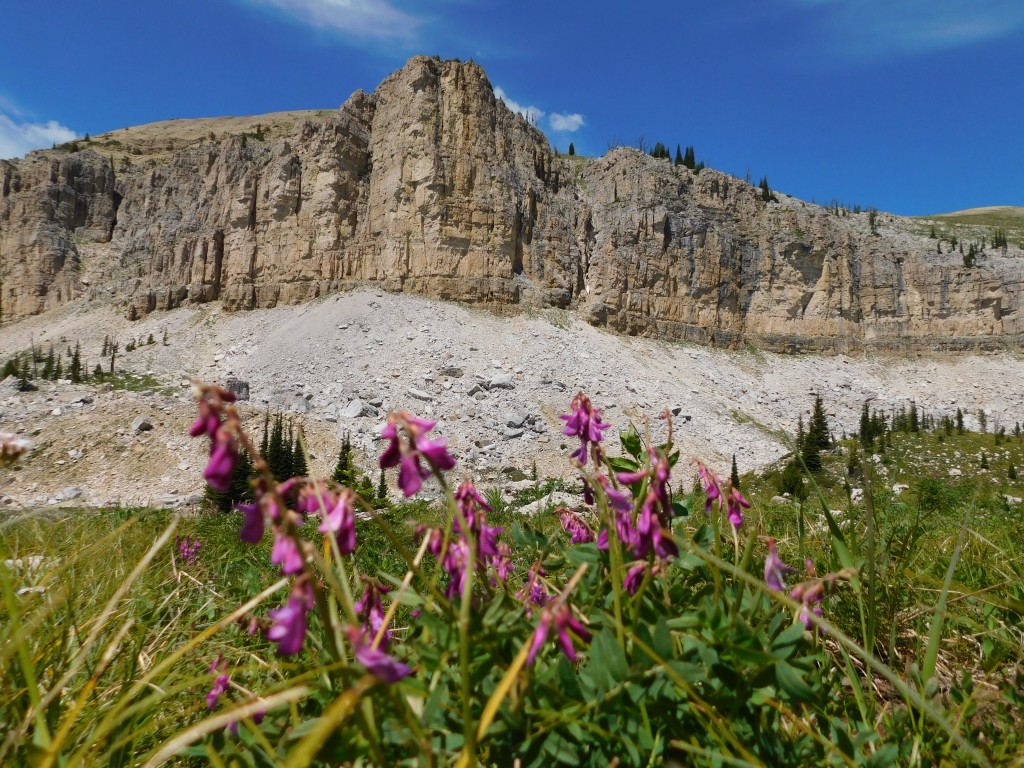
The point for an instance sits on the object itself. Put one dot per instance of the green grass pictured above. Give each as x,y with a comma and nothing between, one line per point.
120,655
911,534
134,382
972,225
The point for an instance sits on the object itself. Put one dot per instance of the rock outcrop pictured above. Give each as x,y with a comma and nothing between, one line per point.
430,185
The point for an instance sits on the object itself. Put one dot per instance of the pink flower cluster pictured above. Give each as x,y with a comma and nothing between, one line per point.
730,498
585,423
188,549
455,554
810,593
415,455
223,444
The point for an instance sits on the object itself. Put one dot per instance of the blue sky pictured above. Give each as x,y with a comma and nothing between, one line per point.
910,106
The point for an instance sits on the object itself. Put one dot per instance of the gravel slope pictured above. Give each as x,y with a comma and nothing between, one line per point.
447,361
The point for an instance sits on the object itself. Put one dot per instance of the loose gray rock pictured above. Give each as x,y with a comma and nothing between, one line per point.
419,394
516,419
354,409
141,424
451,371
501,381
66,494
238,387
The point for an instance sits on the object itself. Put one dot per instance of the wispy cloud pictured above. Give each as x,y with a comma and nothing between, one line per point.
566,123
530,112
19,135
375,19
877,28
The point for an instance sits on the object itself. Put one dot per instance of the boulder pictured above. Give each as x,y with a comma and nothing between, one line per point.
141,424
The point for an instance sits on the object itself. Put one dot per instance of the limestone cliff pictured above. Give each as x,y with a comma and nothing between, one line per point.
431,185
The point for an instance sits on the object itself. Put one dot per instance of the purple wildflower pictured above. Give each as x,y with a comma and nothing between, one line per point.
712,485
660,471
409,452
533,591
314,498
564,622
810,594
376,662
223,460
371,610
286,553
220,686
624,529
617,499
341,521
775,571
584,422
649,531
736,504
502,562
574,525
469,500
289,622
455,562
188,549
634,577
253,524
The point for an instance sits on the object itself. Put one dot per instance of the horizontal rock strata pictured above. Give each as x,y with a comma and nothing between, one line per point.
430,185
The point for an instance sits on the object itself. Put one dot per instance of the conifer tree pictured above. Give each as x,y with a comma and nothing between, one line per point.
277,458
734,475
817,427
959,421
344,469
867,435
679,156
690,159
25,376
48,365
299,466
265,442
76,365
382,487
572,149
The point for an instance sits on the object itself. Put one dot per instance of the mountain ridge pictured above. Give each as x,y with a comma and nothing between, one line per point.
430,185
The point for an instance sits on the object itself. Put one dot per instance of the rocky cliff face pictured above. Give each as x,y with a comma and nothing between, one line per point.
430,185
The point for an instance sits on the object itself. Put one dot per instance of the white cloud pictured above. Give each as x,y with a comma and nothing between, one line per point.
377,19
18,136
531,113
871,28
566,123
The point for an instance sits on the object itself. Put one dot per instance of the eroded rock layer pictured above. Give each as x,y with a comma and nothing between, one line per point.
430,185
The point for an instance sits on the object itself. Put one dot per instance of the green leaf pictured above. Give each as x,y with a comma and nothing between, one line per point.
621,464
631,442
583,553
792,682
607,656
662,639
785,644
